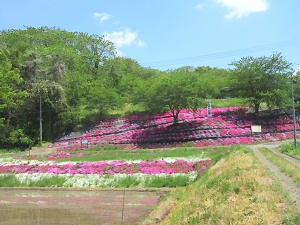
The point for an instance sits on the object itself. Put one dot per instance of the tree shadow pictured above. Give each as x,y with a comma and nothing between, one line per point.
167,134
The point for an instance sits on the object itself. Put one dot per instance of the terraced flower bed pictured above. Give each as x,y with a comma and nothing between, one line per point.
228,126
170,172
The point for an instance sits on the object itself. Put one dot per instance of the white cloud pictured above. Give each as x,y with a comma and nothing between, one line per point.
240,8
124,38
102,16
200,6
141,43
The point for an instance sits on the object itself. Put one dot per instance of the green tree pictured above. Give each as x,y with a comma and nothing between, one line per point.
10,97
214,79
173,92
64,68
261,80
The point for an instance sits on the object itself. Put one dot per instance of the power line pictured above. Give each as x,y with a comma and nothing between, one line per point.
226,54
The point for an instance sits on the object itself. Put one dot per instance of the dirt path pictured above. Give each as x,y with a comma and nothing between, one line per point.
287,182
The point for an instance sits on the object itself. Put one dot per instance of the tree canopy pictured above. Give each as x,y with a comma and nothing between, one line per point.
173,92
63,68
261,80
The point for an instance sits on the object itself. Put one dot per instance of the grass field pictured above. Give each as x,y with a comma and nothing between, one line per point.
236,190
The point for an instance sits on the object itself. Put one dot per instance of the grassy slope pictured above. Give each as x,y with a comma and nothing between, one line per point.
237,190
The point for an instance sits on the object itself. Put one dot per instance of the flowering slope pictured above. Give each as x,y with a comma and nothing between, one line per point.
228,126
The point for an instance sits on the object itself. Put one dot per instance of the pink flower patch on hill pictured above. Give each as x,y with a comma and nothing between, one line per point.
227,126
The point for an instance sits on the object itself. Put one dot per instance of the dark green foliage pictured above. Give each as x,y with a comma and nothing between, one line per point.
64,69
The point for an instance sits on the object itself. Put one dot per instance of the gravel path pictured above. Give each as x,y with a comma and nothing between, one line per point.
287,182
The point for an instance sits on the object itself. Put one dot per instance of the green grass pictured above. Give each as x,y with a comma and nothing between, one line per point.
9,181
93,154
170,182
12,181
228,102
284,165
130,109
11,150
55,181
289,149
236,190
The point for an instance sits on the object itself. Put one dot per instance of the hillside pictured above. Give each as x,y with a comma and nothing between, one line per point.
227,126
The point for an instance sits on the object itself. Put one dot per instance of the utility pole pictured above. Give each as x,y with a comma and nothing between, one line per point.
41,124
293,109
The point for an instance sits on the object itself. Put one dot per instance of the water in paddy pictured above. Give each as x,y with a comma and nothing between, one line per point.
18,206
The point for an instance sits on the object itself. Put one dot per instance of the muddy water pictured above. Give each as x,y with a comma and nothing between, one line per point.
75,207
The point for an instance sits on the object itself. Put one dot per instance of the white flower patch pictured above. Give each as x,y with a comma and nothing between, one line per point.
94,180
174,159
11,161
26,178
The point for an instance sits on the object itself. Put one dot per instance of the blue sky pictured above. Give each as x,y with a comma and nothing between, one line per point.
166,34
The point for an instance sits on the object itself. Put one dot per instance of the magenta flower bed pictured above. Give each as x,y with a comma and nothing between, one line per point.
109,167
225,128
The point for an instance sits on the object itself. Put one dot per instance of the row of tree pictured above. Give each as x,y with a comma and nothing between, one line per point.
77,77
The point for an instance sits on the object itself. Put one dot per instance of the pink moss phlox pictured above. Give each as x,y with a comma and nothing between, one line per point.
109,167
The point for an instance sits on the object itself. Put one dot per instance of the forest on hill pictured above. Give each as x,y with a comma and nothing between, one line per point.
71,78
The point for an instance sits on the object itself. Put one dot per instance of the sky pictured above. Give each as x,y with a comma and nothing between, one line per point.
168,34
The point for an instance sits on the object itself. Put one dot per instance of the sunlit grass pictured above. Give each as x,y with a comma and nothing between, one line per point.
236,190
285,166
289,149
13,180
228,102
214,153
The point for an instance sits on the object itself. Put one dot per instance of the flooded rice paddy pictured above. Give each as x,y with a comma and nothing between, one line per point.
78,207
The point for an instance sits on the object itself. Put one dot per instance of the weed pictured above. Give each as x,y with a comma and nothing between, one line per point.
291,219
289,149
9,181
54,181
